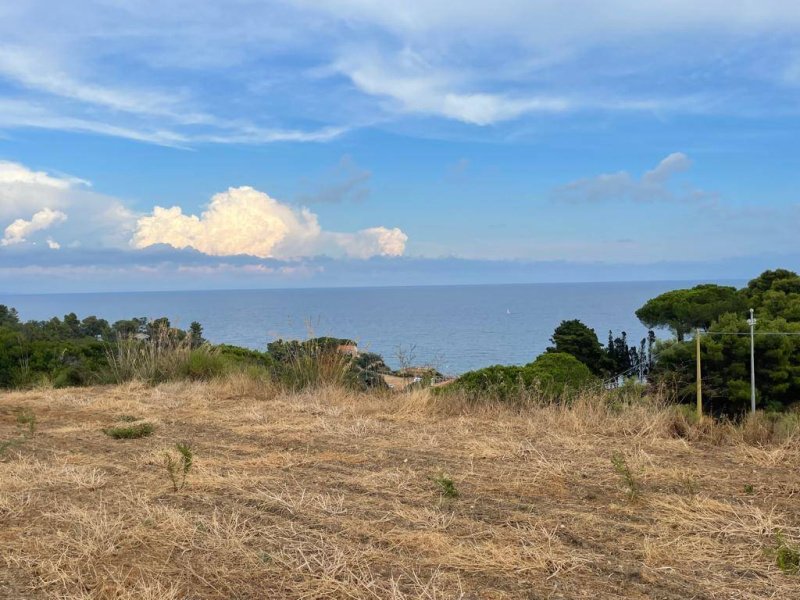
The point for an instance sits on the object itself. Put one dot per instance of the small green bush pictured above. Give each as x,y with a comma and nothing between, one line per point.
552,376
27,417
560,375
178,468
624,471
447,486
129,432
787,556
204,363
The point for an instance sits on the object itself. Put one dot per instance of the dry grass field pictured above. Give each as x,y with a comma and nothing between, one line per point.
336,494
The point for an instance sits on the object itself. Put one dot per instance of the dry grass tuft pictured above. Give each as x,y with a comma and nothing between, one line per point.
328,493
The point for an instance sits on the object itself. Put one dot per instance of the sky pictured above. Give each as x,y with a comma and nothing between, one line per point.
249,144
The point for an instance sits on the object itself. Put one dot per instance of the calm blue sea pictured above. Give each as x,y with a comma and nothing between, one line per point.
457,328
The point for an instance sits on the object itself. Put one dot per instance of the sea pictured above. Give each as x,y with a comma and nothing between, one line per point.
454,328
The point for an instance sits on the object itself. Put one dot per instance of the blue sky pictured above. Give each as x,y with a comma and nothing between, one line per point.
160,145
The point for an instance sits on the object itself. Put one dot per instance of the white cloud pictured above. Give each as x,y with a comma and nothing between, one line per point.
654,185
244,220
20,229
418,87
183,73
241,220
677,162
95,219
374,241
11,172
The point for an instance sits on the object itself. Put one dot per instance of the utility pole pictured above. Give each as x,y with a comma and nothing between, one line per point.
752,322
699,376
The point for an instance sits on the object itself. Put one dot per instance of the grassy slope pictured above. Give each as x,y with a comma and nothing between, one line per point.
330,495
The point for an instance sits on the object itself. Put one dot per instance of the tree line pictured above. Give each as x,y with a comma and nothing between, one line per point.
720,314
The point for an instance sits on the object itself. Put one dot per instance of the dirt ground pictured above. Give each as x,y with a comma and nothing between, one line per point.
333,494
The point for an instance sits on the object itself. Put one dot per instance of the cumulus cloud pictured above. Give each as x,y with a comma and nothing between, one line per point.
247,221
20,229
654,185
374,241
95,219
241,220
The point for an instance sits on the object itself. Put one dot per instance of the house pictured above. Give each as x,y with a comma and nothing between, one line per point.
351,349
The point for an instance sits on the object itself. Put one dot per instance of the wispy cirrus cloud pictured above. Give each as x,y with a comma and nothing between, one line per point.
187,73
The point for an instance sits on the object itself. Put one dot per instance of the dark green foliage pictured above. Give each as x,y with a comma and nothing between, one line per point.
500,381
787,556
71,352
8,316
553,375
688,309
129,432
447,486
575,338
559,375
196,331
725,351
244,357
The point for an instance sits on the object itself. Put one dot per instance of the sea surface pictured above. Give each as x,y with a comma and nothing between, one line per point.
455,328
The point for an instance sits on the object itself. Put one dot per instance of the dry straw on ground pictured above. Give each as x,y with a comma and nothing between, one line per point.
334,494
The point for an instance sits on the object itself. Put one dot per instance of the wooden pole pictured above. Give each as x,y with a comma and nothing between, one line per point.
699,376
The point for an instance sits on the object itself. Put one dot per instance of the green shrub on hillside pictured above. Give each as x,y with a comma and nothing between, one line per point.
204,363
552,376
559,374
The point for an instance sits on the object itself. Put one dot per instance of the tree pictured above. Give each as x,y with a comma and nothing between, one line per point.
688,309
92,326
8,316
196,333
774,294
575,338
558,374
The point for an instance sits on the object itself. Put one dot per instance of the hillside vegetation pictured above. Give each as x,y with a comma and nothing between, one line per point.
242,488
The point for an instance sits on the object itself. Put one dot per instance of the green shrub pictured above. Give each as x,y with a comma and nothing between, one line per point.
497,381
787,556
624,471
128,432
447,486
310,365
178,468
204,363
27,417
559,375
552,376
